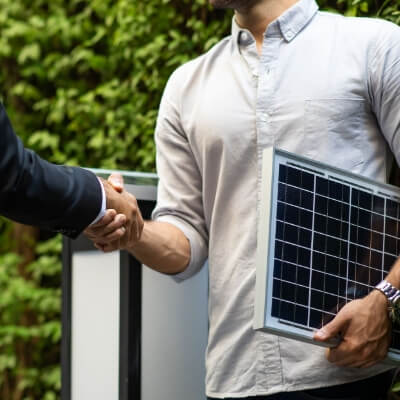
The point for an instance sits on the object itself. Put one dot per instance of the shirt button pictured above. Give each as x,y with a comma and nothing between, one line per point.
289,34
245,38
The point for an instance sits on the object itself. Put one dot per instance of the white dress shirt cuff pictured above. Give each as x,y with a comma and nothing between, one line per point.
103,205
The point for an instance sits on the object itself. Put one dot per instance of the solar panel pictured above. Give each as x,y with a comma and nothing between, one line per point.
325,237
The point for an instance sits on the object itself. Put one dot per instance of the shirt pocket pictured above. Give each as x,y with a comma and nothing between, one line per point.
333,132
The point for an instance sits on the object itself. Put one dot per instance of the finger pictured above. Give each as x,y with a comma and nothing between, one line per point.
108,248
98,246
331,330
115,235
107,218
364,363
369,364
343,355
356,364
117,181
102,232
118,222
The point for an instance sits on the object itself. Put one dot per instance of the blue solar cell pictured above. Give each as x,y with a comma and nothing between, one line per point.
391,226
376,259
355,194
305,237
288,291
346,193
306,218
378,204
377,222
288,272
303,276
301,295
293,195
317,280
331,284
280,214
277,269
289,253
292,215
282,173
392,209
390,245
332,265
286,310
365,200
321,205
335,209
303,257
300,315
319,261
307,181
335,190
275,308
307,200
282,192
279,230
293,176
322,186
316,318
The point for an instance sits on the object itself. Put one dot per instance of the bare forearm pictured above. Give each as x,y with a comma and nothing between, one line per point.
162,247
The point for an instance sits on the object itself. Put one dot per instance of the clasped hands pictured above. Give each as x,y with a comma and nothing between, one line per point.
122,225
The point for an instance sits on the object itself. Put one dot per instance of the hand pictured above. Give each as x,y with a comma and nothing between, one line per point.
126,227
365,331
110,228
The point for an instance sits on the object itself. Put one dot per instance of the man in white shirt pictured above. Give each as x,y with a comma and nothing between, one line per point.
317,84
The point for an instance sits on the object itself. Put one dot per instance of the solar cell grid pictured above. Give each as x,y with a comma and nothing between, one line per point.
333,243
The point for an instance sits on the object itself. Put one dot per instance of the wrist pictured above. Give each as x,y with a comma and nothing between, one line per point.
134,245
379,297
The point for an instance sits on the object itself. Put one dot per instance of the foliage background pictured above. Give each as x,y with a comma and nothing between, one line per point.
81,81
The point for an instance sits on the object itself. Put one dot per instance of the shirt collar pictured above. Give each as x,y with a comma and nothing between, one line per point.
289,24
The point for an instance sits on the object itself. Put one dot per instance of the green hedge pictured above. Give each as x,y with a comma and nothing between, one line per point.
82,81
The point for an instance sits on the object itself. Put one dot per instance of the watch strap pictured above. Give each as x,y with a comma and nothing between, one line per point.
391,293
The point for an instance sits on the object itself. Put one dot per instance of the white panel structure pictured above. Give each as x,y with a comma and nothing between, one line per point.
95,326
174,336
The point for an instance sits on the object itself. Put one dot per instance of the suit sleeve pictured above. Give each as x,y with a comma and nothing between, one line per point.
36,192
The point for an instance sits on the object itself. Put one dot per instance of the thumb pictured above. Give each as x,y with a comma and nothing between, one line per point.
331,330
116,181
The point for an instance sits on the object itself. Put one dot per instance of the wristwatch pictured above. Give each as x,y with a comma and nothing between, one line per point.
393,296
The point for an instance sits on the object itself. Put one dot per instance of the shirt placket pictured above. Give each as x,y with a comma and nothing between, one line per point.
269,362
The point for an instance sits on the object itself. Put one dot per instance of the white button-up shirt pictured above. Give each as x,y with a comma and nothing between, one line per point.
326,87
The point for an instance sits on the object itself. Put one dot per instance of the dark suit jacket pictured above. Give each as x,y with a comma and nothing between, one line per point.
35,192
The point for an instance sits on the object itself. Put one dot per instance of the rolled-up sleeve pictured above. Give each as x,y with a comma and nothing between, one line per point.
179,197
385,85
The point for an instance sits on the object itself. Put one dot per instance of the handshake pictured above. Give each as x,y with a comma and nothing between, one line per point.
122,225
